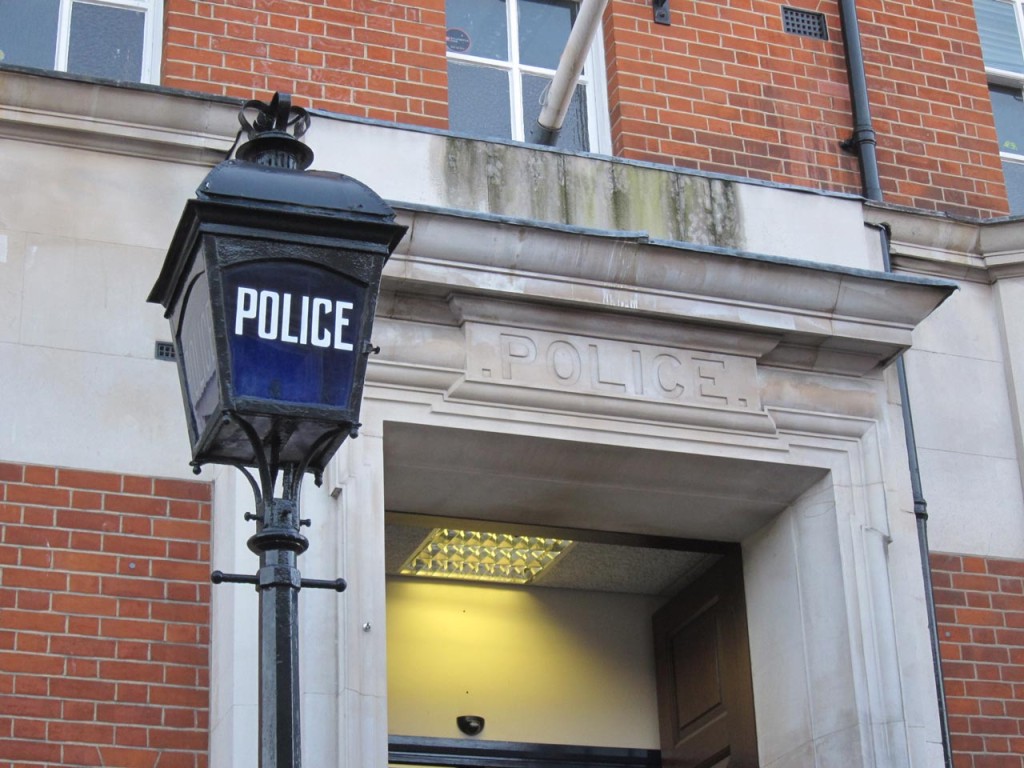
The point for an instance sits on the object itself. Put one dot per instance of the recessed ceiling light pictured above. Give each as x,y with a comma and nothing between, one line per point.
502,558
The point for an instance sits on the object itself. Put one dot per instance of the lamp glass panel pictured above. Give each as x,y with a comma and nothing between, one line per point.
198,352
294,332
502,558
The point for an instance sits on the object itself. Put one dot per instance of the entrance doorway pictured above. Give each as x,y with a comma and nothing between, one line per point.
705,693
569,670
569,664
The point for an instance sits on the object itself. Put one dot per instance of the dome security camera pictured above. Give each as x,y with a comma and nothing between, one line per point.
471,725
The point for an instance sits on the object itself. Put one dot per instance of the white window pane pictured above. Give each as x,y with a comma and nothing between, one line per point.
1008,108
478,28
574,133
544,27
1000,39
106,42
28,32
478,101
1014,173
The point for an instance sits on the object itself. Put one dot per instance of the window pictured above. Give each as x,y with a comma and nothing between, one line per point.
502,55
1000,25
115,39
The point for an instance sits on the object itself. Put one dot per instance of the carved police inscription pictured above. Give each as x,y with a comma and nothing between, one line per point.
611,367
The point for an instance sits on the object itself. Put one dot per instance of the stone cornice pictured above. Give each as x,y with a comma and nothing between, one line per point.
131,120
978,250
809,316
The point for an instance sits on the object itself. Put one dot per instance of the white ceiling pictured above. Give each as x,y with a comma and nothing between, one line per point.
536,481
611,499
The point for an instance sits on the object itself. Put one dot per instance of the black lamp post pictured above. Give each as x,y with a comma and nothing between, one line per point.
270,285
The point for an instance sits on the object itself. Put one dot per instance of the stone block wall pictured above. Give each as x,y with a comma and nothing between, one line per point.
104,619
980,610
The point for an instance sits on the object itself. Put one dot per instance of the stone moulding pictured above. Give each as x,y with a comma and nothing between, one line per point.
978,250
809,316
140,121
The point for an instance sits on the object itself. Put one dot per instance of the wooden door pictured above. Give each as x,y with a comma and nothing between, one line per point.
705,697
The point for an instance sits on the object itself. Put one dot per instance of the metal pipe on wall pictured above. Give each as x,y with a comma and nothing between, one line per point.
921,518
863,144
570,66
863,141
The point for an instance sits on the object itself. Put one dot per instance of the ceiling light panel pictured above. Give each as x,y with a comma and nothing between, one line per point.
448,553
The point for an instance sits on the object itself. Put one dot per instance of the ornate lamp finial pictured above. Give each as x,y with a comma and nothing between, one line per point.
274,134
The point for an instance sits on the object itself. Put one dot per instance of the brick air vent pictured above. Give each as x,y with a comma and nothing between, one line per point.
805,23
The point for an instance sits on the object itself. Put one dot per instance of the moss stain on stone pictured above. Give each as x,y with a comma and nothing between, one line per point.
462,170
516,181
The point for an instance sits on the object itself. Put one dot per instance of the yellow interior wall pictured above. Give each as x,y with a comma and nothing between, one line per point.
540,665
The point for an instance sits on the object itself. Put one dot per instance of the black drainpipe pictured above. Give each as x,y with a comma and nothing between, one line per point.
862,143
921,516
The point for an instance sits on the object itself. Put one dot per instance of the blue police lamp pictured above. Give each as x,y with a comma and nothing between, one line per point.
270,285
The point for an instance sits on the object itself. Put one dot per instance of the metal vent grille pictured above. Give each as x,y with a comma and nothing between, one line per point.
164,351
806,23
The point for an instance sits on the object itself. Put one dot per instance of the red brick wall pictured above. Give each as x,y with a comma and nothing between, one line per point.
937,141
725,89
980,611
368,58
104,619
722,89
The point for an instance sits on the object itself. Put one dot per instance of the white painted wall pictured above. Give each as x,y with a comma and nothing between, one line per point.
541,665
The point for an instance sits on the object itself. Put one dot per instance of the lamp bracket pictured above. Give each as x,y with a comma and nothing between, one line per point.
219,577
277,539
661,12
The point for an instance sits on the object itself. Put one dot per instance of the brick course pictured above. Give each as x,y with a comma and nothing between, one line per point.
104,619
739,95
979,605
368,58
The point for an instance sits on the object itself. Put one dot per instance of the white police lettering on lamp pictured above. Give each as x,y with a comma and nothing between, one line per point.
272,314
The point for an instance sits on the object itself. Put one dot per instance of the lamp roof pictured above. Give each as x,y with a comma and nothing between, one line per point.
324,192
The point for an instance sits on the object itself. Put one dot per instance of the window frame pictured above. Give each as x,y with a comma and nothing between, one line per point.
1006,78
594,79
152,35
